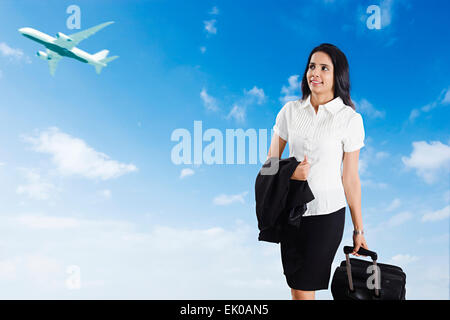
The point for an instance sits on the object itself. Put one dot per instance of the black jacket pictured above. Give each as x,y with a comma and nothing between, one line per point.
279,199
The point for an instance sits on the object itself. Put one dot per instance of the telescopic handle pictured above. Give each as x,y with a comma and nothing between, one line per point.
362,251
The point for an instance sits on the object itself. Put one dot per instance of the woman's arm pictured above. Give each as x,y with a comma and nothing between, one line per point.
277,146
276,150
352,188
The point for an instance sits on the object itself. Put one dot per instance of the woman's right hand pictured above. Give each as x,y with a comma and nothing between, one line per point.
302,170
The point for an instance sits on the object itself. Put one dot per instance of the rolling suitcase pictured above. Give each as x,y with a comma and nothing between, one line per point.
357,279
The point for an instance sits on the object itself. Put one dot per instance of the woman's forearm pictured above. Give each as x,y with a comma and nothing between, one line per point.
352,188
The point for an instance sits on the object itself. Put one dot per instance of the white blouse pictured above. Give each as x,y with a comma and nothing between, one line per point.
323,137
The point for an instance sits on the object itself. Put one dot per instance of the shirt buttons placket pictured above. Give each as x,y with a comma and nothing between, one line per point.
307,146
309,138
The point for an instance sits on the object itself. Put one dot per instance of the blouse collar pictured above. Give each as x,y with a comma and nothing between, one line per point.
332,106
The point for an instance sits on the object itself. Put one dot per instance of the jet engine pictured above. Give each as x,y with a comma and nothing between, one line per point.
62,36
43,55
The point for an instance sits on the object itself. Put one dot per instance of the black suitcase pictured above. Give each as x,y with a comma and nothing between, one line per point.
357,279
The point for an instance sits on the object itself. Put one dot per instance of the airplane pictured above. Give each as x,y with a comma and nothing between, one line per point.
65,46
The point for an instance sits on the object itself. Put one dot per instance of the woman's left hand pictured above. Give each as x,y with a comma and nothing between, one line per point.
358,241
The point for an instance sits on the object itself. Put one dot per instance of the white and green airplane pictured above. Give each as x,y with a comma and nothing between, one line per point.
65,46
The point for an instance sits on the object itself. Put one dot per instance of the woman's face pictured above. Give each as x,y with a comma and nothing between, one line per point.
320,73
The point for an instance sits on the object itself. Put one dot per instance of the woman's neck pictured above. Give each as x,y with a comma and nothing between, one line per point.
320,99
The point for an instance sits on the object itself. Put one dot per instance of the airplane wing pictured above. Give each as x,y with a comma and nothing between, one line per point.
80,36
53,59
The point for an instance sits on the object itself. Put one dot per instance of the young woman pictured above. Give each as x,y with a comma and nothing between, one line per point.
324,131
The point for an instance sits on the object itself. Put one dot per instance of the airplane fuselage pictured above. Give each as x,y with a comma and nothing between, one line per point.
66,46
49,43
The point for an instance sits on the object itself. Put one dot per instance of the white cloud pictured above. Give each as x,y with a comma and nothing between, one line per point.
72,156
12,53
255,93
429,159
373,184
120,260
381,155
443,238
186,172
224,200
7,51
8,270
429,279
42,268
437,215
43,221
214,10
203,49
293,91
210,26
123,262
443,99
399,219
386,11
106,193
446,196
390,42
36,187
369,156
209,102
238,113
446,99
368,109
428,107
47,222
414,114
393,205
403,259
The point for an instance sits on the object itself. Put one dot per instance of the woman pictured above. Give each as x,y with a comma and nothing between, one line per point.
324,131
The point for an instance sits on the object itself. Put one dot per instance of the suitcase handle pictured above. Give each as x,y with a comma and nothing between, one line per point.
362,251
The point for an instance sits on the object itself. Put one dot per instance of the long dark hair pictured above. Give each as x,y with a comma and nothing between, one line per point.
341,73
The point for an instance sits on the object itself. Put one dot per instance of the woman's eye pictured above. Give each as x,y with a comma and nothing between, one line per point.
323,67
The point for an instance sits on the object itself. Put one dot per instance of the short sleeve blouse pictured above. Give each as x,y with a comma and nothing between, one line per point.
323,137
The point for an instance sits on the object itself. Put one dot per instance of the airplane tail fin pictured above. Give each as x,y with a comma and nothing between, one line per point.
98,68
106,60
100,55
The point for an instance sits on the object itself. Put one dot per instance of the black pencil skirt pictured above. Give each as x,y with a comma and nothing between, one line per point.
308,252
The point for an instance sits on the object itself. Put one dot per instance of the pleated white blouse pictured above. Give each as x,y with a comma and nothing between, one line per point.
323,137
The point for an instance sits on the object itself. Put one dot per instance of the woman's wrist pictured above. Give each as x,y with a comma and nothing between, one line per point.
358,231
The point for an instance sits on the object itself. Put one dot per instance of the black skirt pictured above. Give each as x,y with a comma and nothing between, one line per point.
308,252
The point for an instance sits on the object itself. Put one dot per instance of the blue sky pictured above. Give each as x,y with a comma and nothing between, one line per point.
86,169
